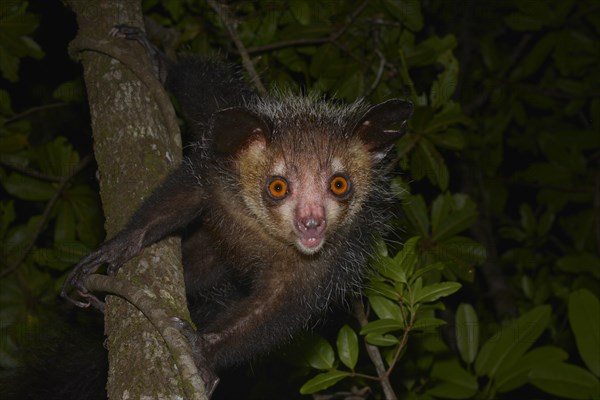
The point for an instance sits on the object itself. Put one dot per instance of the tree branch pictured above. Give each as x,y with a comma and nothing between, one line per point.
136,143
140,68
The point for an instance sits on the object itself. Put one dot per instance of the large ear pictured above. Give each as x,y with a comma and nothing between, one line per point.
377,127
233,128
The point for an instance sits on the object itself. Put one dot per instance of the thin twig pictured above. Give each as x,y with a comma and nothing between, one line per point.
248,64
382,62
46,215
309,42
287,43
34,110
402,345
31,172
374,354
350,21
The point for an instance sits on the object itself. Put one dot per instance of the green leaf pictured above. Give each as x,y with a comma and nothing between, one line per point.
381,340
453,139
538,9
450,115
399,188
521,22
323,381
382,326
7,216
513,378
467,332
64,227
351,84
489,52
416,212
438,266
321,355
300,10
27,188
70,91
443,88
18,238
382,289
461,212
10,144
385,308
584,316
291,59
528,221
580,263
454,382
347,346
419,122
407,258
408,12
503,350
440,208
460,255
435,291
321,63
88,215
5,104
536,57
57,157
17,24
565,380
545,223
427,160
428,323
175,8
49,258
391,269
70,252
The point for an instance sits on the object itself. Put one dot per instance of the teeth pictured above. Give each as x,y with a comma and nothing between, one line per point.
311,241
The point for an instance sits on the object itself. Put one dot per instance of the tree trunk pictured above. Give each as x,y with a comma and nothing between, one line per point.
134,151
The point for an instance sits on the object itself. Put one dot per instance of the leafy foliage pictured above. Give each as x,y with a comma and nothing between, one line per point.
497,179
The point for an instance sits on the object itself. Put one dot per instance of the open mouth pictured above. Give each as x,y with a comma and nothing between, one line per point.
310,241
310,234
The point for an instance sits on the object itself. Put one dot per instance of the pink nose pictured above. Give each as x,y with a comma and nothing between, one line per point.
311,223
311,219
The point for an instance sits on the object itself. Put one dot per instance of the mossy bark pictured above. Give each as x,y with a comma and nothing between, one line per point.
134,152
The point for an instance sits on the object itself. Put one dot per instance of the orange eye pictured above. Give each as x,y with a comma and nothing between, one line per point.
277,188
339,185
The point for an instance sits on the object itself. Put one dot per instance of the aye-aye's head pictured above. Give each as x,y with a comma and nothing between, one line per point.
307,167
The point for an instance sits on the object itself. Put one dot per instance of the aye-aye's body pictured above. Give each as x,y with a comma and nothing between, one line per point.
281,197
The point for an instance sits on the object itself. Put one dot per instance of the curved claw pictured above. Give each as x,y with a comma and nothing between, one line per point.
78,276
76,303
91,301
114,252
159,59
198,344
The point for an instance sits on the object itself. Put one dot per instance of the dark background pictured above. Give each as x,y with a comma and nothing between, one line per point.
508,96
